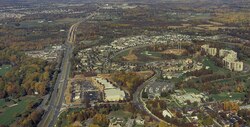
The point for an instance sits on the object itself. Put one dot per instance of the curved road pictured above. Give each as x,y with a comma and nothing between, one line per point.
137,96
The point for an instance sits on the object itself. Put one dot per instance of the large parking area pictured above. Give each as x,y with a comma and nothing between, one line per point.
156,88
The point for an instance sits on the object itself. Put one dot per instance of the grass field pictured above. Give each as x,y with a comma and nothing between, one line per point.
122,54
4,69
191,90
247,60
9,113
154,54
121,113
67,20
226,96
213,67
2,103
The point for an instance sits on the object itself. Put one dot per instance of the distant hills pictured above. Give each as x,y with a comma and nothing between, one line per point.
102,1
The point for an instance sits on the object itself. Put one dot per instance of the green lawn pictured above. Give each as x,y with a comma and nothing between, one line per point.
192,90
2,103
4,69
211,64
9,113
121,113
150,53
213,67
225,96
120,55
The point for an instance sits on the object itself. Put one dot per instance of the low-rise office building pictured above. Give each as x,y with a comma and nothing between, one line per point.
208,50
111,93
230,60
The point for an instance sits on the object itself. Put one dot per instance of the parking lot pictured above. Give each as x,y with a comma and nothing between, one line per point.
156,88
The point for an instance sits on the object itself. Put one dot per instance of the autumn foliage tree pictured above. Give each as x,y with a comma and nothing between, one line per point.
27,76
128,80
101,120
230,106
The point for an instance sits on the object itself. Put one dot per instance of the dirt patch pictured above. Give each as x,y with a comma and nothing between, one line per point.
175,51
77,124
145,74
130,57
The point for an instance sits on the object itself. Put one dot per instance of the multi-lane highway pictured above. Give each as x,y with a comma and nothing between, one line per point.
57,96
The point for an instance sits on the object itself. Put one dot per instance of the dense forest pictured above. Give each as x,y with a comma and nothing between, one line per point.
27,76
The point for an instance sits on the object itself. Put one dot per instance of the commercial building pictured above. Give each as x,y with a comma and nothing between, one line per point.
230,60
208,50
114,95
111,93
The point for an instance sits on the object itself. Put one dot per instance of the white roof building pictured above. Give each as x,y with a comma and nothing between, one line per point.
111,93
208,50
105,83
114,95
230,60
166,113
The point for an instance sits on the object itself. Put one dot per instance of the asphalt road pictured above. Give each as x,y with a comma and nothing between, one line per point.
57,96
137,96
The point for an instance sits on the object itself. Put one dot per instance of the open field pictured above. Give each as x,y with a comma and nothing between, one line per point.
2,103
122,54
120,114
191,90
130,57
208,62
174,51
10,113
151,54
4,69
227,96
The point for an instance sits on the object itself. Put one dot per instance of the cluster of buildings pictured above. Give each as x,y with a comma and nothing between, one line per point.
185,110
183,97
208,50
167,38
52,53
93,59
92,90
6,15
229,57
21,11
111,93
226,118
121,122
176,68
98,58
118,6
156,88
82,90
230,60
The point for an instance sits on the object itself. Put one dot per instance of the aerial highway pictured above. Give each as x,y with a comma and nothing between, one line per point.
57,96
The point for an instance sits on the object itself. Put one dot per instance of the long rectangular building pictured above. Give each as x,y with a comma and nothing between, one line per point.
111,93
